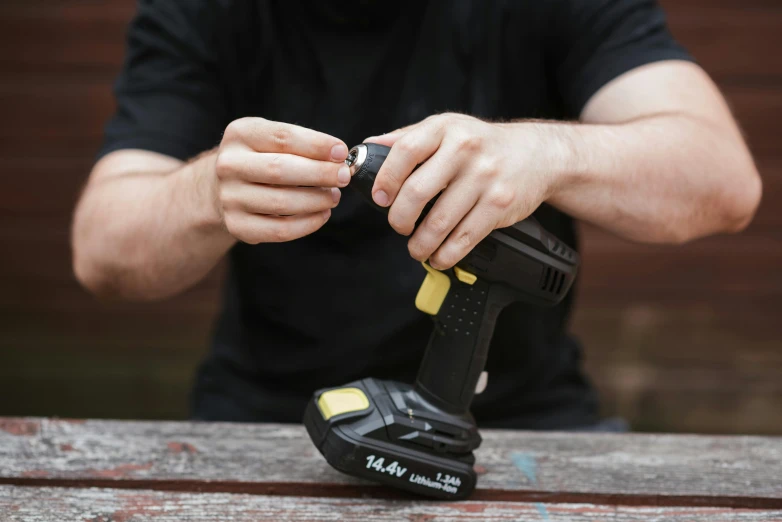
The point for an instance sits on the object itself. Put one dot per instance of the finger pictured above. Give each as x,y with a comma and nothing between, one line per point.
420,188
277,200
254,228
470,231
272,136
282,169
412,149
451,207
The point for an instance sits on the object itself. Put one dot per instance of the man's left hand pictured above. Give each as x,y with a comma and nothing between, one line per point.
491,175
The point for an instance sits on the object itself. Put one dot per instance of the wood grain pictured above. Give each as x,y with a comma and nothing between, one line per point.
104,505
664,470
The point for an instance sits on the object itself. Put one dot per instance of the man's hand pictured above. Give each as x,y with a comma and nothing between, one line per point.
657,158
491,176
148,226
277,182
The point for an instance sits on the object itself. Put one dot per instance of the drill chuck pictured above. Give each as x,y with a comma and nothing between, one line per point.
364,162
356,158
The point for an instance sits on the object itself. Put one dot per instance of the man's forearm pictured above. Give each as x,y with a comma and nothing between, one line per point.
146,233
664,178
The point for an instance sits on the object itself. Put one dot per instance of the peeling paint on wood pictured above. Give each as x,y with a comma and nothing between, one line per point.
628,469
110,505
21,427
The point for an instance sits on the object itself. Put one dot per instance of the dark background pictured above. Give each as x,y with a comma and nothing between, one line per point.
677,338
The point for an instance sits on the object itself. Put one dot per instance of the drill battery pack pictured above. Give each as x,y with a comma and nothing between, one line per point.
382,431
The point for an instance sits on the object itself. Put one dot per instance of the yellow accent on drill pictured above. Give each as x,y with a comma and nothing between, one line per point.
464,276
344,400
433,291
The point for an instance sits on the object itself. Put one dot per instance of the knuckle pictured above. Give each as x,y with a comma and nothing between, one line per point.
250,239
275,172
397,223
417,190
240,229
440,120
438,224
234,129
226,165
407,145
463,241
487,168
277,204
280,233
230,224
501,197
451,253
417,250
469,142
226,196
442,261
280,137
221,165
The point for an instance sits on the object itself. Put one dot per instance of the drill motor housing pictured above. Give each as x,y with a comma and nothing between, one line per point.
421,437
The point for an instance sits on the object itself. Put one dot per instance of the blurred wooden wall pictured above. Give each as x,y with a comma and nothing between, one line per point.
677,339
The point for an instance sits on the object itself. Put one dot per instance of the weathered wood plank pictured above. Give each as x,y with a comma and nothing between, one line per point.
280,459
103,505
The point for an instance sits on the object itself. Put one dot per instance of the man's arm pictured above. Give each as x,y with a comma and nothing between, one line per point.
657,159
660,159
148,226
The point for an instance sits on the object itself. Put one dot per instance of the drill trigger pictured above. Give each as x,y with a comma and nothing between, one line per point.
433,291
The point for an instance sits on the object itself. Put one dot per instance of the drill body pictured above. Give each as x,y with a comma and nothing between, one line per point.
420,437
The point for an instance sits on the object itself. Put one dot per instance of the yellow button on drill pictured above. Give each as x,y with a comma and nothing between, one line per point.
343,400
464,276
433,291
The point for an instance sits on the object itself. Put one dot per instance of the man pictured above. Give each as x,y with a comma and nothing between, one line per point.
584,109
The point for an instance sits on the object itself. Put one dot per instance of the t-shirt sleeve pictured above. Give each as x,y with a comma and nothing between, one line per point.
592,42
168,93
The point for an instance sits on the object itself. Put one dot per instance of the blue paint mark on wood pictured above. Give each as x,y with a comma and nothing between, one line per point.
526,463
542,510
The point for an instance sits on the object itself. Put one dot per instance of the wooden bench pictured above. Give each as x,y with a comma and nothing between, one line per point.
101,471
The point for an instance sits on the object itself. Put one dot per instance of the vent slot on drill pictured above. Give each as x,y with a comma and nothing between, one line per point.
546,276
552,281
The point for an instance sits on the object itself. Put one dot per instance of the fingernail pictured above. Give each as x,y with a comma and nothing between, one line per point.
371,138
339,152
381,198
326,214
343,176
335,195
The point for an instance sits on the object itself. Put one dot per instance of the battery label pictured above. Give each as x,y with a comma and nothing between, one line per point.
393,469
441,481
446,483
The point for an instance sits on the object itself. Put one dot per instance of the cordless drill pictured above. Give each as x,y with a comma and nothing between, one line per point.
421,437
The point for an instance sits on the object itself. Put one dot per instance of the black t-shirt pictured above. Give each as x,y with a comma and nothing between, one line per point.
338,305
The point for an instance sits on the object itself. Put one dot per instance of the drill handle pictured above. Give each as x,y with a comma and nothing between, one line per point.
459,344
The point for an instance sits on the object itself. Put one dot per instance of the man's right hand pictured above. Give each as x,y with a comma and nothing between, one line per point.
277,182
149,225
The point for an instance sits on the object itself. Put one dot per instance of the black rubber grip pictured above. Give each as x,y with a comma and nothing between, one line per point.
459,346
